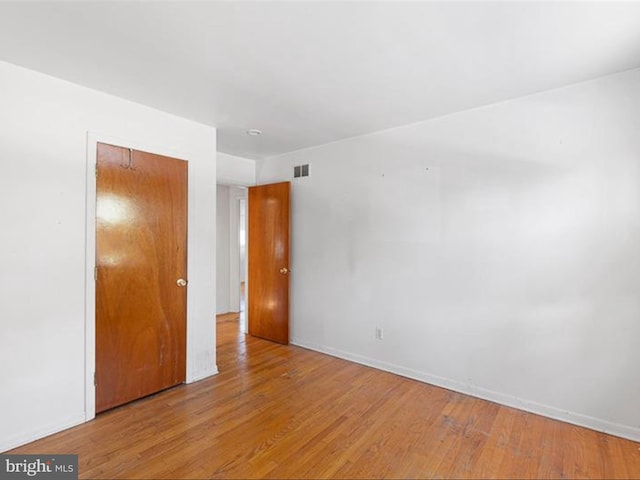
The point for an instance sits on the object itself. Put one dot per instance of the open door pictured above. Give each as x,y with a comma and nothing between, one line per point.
268,254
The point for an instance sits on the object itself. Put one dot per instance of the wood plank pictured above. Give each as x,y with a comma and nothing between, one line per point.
279,411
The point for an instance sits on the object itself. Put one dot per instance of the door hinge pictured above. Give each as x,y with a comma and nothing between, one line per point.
95,382
96,169
95,274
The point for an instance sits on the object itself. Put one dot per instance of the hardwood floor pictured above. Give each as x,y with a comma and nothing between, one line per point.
286,412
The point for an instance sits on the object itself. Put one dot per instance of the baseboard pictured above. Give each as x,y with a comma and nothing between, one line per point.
202,375
41,432
555,413
55,427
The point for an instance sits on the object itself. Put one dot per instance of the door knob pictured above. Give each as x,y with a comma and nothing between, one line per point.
181,282
284,270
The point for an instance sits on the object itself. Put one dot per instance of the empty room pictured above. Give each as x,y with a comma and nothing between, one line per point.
304,239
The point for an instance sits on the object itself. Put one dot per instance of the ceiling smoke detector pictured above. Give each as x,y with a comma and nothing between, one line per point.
254,132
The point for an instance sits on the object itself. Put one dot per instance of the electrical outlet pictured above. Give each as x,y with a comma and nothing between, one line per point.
379,333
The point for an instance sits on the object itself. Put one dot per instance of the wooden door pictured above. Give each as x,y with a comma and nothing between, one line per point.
141,253
268,254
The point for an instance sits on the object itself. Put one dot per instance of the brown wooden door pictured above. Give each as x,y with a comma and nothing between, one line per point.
268,253
141,252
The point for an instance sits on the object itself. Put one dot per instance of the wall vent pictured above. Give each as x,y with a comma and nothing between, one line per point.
301,171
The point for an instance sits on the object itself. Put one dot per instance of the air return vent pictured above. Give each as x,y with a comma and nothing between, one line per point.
301,171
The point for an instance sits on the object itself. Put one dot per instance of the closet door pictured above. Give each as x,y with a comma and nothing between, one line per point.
141,260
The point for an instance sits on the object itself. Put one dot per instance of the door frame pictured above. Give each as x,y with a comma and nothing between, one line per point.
235,265
93,138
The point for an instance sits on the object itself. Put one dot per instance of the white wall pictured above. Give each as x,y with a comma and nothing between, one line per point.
222,250
235,258
229,266
233,170
45,125
243,238
498,248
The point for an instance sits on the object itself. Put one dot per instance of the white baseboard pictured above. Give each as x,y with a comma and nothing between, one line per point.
41,432
624,431
58,426
202,375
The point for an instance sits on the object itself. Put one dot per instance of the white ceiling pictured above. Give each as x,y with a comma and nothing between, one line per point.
308,73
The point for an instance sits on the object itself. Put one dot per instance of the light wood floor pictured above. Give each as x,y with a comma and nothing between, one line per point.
287,412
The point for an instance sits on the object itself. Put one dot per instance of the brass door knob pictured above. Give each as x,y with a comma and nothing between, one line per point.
284,270
181,282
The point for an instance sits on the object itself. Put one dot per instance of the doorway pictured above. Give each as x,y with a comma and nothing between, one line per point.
231,268
242,241
258,244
